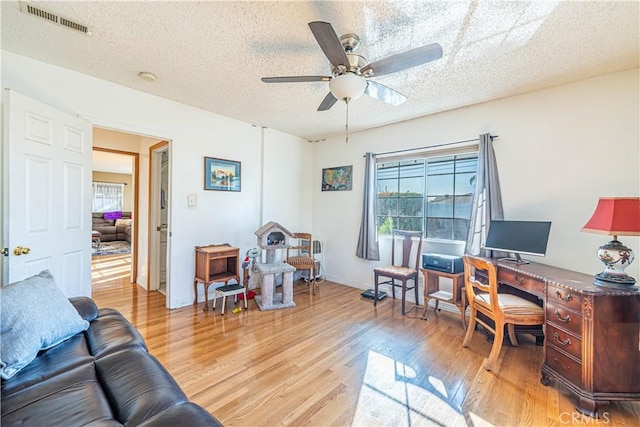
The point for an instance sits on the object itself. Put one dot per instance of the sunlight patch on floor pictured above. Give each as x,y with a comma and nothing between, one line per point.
114,273
391,394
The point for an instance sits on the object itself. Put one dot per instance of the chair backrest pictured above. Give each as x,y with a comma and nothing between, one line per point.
471,265
407,245
303,246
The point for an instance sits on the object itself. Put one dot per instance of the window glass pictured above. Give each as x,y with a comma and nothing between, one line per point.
431,195
412,170
411,187
460,229
388,206
439,228
387,187
440,207
465,183
411,206
440,185
410,224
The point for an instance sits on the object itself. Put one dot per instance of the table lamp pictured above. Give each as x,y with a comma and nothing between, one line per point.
615,216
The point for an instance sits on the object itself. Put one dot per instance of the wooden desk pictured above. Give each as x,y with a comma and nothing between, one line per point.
592,333
215,264
432,291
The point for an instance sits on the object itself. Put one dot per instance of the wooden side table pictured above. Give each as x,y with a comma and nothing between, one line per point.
432,291
215,264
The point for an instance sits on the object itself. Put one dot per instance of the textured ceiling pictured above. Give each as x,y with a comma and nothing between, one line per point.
212,54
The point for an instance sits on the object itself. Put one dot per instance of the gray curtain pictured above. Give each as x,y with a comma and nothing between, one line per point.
367,242
487,200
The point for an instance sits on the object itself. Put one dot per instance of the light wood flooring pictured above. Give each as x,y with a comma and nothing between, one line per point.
334,359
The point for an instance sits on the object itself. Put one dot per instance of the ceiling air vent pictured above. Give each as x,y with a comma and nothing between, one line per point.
52,17
74,25
41,13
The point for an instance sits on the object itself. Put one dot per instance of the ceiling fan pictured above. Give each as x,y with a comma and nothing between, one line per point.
350,73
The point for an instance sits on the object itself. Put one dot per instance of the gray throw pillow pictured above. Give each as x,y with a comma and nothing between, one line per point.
35,316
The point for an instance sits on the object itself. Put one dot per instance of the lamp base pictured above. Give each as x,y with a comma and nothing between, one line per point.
616,281
616,257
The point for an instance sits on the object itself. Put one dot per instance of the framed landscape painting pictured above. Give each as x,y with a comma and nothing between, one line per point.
337,179
221,174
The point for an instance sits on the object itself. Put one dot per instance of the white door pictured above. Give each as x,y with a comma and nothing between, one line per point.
159,197
47,210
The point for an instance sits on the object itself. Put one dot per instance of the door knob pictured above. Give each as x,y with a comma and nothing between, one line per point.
19,250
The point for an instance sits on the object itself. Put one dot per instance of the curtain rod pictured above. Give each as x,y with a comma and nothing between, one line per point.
433,146
110,182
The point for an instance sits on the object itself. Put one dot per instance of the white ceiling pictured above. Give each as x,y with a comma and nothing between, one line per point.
112,162
212,54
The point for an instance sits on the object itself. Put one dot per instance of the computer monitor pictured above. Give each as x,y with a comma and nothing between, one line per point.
518,237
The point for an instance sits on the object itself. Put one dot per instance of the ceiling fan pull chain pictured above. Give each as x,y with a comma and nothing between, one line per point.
346,127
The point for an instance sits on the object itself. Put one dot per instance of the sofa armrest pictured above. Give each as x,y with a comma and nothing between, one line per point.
86,307
187,414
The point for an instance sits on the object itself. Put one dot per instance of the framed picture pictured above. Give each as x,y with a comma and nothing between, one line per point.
221,174
337,179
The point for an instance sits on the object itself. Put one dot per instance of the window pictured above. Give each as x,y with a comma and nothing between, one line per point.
107,196
432,195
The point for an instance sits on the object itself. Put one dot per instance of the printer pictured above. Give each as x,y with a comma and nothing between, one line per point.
446,263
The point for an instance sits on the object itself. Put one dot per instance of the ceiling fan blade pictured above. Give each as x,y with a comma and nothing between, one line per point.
296,79
329,42
384,93
404,60
327,102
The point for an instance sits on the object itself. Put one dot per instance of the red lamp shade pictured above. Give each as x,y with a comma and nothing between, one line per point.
615,216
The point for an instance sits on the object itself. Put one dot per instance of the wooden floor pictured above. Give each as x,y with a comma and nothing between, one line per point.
334,359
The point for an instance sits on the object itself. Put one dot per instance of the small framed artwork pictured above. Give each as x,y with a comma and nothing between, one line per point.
337,179
221,174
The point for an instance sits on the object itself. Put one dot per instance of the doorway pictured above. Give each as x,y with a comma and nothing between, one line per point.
114,217
159,218
128,270
68,229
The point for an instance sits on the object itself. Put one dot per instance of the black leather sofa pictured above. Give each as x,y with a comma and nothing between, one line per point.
103,376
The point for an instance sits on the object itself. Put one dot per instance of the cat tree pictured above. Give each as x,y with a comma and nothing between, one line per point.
273,237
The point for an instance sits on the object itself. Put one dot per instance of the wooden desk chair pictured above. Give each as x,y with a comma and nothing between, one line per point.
501,308
408,270
301,257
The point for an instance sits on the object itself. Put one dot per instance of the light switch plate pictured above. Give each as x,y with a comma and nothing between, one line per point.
192,200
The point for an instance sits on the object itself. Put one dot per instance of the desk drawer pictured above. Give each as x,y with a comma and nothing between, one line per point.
564,365
561,339
559,315
528,284
564,297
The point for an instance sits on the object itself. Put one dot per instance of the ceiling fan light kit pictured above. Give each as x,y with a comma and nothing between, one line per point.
347,87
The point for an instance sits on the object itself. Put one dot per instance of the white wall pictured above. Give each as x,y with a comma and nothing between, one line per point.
285,198
554,148
219,216
559,150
